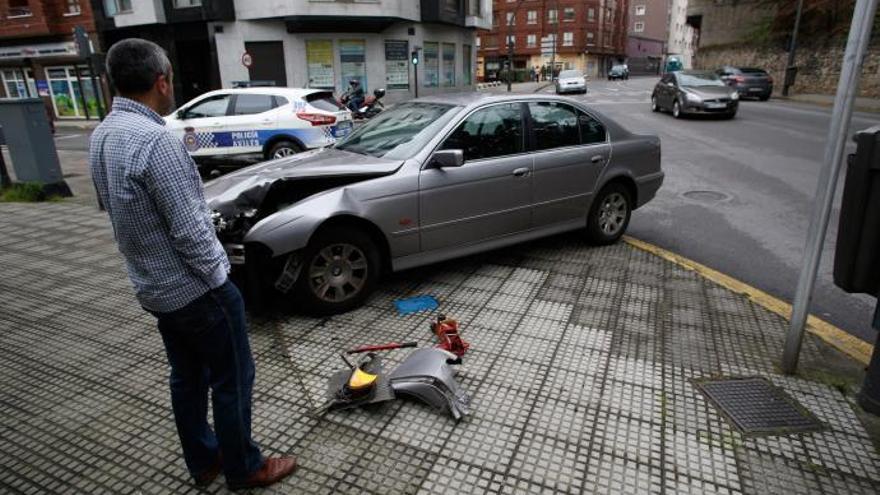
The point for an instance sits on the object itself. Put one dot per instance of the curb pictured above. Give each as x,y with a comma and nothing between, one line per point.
825,104
850,345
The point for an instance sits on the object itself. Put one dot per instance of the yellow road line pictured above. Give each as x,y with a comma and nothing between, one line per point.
850,345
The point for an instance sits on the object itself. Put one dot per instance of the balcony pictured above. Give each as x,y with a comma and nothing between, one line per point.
199,10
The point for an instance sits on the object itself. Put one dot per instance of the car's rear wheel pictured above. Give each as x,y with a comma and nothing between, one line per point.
730,115
654,106
340,268
676,109
764,98
282,149
609,216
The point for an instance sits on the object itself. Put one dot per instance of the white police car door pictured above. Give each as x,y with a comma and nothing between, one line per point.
245,129
201,122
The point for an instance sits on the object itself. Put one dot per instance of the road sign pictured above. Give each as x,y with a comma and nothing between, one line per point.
247,60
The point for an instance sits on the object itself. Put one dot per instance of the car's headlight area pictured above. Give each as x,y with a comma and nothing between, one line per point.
691,97
734,96
232,228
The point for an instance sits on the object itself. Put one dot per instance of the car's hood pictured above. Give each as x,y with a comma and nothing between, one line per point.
709,92
330,167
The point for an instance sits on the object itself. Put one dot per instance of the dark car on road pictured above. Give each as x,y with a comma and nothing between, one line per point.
618,72
694,92
750,82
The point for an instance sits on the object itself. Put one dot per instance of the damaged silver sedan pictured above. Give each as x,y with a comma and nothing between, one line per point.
429,180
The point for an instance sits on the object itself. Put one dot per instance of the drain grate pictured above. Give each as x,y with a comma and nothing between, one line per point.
756,407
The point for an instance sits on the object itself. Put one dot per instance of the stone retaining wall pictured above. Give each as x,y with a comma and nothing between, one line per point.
819,66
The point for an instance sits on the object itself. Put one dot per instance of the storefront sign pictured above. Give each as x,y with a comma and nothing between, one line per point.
352,57
319,56
396,67
42,87
36,51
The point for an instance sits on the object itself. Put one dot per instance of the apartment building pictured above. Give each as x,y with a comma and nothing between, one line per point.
682,35
648,34
182,27
39,58
326,44
587,35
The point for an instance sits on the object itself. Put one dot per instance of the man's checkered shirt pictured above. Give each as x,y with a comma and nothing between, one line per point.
152,190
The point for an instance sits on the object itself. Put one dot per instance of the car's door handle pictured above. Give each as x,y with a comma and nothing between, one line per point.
597,158
521,172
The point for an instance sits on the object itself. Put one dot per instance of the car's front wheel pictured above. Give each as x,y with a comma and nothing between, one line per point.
609,216
340,268
654,106
676,109
282,149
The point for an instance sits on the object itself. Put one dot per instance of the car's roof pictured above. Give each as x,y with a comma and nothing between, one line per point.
695,72
269,90
478,98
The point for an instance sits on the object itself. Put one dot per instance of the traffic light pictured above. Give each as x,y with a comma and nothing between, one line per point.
415,57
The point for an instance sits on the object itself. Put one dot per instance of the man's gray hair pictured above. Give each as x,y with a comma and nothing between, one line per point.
134,64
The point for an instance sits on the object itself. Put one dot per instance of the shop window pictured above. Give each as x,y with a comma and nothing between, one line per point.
319,62
396,64
352,55
448,64
431,55
467,65
72,92
115,7
19,83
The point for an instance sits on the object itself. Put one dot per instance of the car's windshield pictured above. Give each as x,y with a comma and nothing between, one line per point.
696,80
568,74
619,67
399,132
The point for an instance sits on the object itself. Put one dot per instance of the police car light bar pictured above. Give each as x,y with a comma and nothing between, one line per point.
317,118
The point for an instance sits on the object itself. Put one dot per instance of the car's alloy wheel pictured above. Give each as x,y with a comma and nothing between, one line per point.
340,267
283,149
338,272
610,214
654,106
282,152
676,109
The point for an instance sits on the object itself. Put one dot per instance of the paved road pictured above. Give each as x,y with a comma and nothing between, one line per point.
765,165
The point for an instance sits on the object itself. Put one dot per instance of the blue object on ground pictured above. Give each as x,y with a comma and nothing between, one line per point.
416,304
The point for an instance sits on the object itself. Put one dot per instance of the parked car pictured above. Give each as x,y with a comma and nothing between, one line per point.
428,180
571,81
267,121
748,81
694,92
618,72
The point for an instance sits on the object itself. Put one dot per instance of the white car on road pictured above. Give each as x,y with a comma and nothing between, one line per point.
271,121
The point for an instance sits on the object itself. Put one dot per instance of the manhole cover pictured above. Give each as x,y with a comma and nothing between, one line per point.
706,196
754,406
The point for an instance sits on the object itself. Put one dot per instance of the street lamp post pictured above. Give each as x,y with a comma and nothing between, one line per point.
792,49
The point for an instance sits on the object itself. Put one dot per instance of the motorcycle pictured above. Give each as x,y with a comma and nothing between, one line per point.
371,107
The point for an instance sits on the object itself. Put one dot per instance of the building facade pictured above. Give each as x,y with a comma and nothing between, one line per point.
587,35
648,31
326,44
682,35
724,22
182,27
39,57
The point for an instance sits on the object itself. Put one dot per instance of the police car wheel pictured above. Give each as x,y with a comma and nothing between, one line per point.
283,149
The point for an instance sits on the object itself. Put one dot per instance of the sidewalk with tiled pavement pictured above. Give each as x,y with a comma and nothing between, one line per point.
580,372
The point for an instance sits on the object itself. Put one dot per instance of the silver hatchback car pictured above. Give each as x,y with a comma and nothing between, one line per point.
428,180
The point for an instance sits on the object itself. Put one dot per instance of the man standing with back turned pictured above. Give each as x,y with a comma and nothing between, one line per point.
150,187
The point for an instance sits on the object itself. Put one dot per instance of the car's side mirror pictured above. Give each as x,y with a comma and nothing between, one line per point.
446,159
181,114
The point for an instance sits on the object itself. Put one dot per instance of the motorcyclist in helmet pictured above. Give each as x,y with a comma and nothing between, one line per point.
356,95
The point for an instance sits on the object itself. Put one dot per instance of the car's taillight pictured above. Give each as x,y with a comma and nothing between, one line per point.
739,79
316,118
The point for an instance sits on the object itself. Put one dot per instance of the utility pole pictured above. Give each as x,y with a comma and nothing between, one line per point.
838,129
510,45
790,69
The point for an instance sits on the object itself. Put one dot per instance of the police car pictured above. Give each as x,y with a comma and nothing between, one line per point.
271,121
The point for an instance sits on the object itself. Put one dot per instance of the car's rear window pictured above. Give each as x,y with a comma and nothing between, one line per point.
323,100
759,72
569,73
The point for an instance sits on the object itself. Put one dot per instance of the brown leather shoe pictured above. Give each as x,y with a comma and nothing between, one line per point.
210,475
274,469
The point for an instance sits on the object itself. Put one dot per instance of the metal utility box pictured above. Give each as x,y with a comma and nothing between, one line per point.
31,145
857,259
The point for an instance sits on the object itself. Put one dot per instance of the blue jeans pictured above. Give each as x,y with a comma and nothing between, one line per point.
207,346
